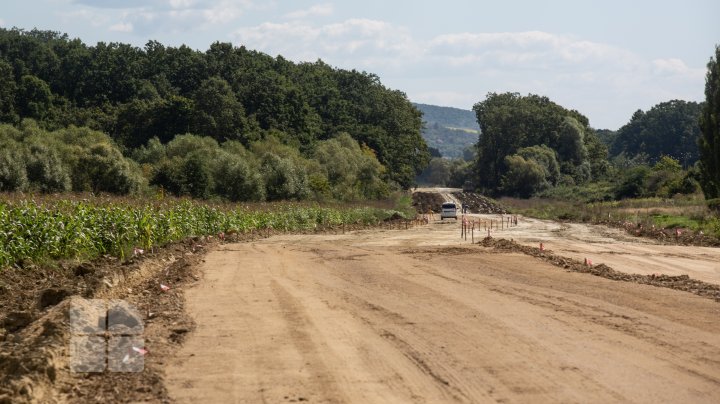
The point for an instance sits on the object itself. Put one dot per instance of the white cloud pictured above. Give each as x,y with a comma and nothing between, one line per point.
121,27
363,42
320,10
150,17
678,68
2,22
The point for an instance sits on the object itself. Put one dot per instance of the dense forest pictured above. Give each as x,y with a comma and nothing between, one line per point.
228,121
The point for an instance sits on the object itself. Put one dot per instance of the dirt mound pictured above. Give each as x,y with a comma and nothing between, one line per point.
422,201
34,348
682,282
670,236
477,203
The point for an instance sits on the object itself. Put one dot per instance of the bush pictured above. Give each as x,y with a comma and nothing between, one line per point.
236,180
523,177
13,175
283,179
103,168
633,183
46,171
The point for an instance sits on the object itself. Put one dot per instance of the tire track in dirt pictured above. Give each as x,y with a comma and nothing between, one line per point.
348,319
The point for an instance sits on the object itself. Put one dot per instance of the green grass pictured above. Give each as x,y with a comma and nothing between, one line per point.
686,212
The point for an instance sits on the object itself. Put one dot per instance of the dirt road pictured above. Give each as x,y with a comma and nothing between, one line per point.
415,316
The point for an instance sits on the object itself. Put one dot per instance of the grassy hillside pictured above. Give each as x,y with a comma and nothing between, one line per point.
450,130
450,142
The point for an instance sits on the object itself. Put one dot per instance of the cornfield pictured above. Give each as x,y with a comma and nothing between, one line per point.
65,228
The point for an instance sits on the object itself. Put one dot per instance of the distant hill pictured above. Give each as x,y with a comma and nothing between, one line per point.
450,130
448,116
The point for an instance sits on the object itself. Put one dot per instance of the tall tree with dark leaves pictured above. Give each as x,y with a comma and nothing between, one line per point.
710,127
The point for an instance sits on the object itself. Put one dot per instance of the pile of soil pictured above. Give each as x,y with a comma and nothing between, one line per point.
670,236
681,282
477,203
422,201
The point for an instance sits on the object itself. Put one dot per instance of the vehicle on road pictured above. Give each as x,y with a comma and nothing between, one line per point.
448,210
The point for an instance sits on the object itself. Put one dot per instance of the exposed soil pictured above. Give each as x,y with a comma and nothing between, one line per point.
34,364
35,326
679,236
422,201
680,282
399,313
477,203
416,316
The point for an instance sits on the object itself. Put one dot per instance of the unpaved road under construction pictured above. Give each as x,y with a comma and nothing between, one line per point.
393,316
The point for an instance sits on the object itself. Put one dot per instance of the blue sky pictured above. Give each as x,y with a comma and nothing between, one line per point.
604,58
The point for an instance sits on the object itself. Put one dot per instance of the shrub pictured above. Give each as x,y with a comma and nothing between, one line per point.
523,177
13,175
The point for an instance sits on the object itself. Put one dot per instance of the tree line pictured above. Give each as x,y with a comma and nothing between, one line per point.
531,146
227,98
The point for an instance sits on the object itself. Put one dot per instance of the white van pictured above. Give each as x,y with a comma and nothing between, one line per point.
449,210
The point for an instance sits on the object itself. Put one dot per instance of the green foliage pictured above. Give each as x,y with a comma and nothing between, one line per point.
545,157
633,183
102,168
450,142
667,163
218,113
284,180
237,180
710,128
353,173
437,173
194,176
34,98
523,177
225,93
87,229
45,169
13,176
510,122
669,128
571,146
76,159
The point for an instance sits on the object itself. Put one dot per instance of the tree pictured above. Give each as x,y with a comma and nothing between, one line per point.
34,98
545,157
7,93
571,143
510,122
218,113
237,180
710,127
523,177
669,128
283,179
102,168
